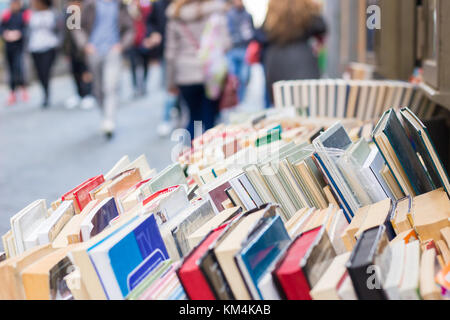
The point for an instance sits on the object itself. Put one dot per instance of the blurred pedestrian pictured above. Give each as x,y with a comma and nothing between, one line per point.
106,31
78,66
44,39
289,27
138,54
240,24
155,40
185,53
13,25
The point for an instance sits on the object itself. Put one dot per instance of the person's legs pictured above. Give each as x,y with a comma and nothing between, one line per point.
193,96
95,63
209,112
133,56
44,63
243,73
111,76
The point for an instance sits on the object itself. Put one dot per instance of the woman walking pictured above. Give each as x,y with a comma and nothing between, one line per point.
185,68
289,27
43,43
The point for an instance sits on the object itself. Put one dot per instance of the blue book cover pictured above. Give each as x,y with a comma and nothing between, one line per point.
137,254
264,246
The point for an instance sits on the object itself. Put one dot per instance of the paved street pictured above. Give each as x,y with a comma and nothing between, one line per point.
46,152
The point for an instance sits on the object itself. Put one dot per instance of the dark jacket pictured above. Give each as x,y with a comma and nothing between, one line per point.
295,60
81,36
157,22
15,21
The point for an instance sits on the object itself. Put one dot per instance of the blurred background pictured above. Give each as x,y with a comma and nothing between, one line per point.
55,132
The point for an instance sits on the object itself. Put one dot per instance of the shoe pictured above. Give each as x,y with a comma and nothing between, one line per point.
87,103
24,95
72,102
164,129
12,99
108,128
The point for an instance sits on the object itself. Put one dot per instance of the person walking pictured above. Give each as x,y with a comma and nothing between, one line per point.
289,54
106,31
44,39
240,24
138,54
155,41
78,66
13,24
184,54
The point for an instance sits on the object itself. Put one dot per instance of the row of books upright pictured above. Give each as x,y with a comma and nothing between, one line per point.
361,99
275,207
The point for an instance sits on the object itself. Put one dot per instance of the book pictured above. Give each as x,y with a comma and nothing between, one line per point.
173,175
81,194
369,263
52,226
429,268
229,245
409,287
396,271
327,287
430,214
42,280
223,217
24,225
70,234
120,166
126,256
423,144
259,251
98,218
378,214
393,143
175,232
308,256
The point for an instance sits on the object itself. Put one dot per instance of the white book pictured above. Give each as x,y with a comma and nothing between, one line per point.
322,95
141,163
295,231
331,98
288,94
118,168
398,98
169,205
394,276
25,223
407,97
278,94
341,101
411,274
362,101
296,95
371,101
305,95
313,106
346,290
267,288
339,224
378,190
51,227
381,97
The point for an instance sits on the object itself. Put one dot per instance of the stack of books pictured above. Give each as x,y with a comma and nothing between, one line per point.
274,207
364,100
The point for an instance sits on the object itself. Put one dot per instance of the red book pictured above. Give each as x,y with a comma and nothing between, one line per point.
81,195
159,193
191,277
289,274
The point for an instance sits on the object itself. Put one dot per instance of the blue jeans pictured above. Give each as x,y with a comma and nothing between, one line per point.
239,67
201,108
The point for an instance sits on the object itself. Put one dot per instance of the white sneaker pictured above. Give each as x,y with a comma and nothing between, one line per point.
108,128
88,103
164,129
72,102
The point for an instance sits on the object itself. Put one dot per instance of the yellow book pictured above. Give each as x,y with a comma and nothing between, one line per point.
39,278
10,272
429,290
430,214
376,216
348,236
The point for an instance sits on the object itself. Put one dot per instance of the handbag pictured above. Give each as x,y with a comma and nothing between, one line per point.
229,98
253,53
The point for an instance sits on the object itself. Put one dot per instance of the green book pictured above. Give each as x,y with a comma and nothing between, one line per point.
171,176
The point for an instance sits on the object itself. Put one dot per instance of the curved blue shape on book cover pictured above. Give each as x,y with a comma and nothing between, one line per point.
137,255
